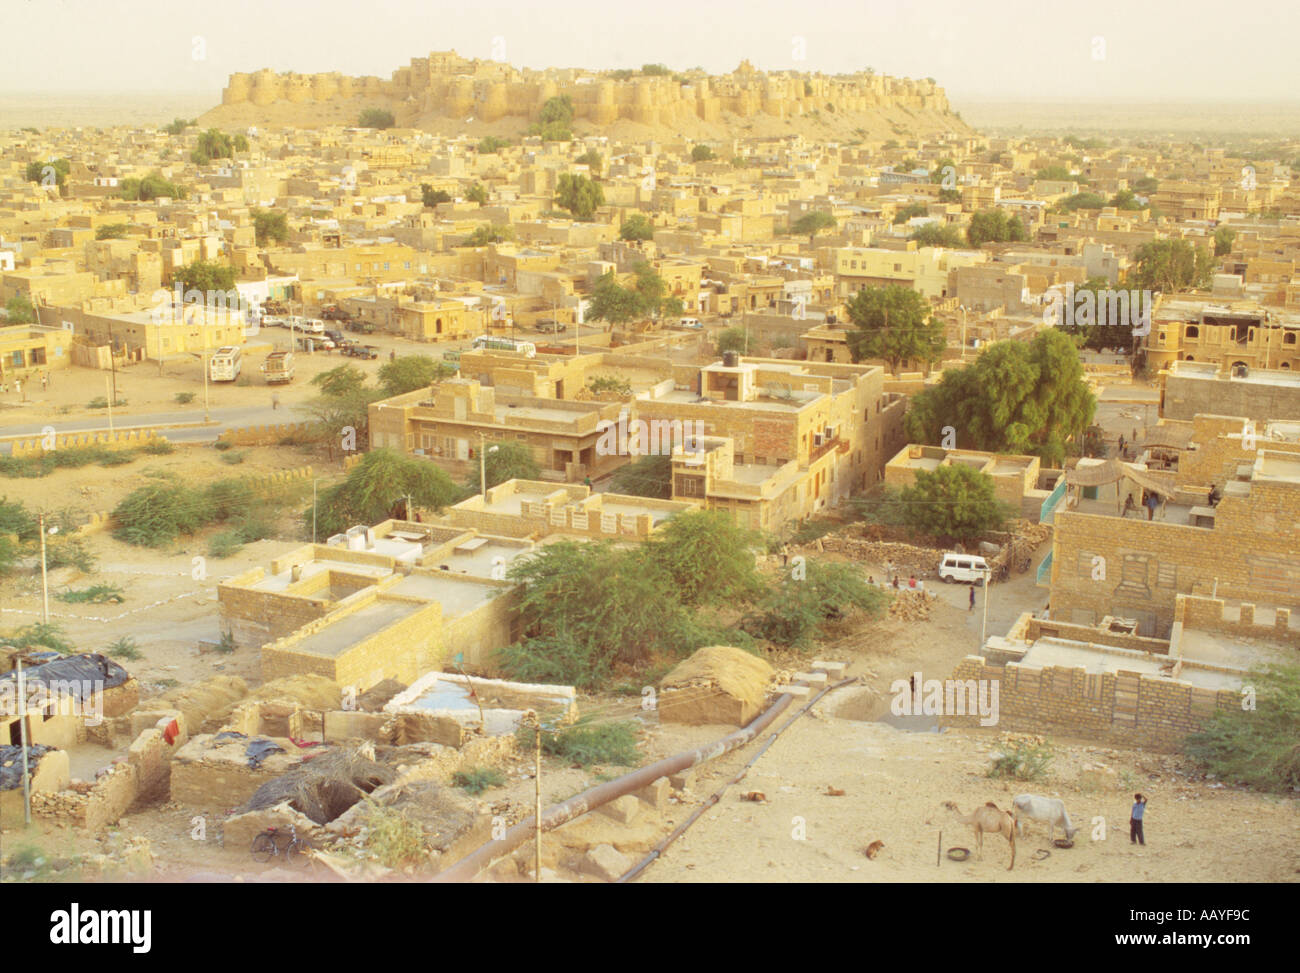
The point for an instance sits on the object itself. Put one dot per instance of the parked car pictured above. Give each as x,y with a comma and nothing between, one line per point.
552,327
335,313
354,350
274,307
335,336
963,567
692,324
271,321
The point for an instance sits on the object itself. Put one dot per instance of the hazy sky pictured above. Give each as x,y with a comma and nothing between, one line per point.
1086,49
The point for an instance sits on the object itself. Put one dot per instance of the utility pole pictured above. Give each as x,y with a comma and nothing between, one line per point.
314,481
22,723
45,587
108,387
984,623
207,415
112,368
482,468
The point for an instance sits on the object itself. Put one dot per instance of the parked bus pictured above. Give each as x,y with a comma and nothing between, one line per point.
505,344
225,364
278,367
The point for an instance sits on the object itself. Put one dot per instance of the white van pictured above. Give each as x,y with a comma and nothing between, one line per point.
963,567
225,364
692,324
313,325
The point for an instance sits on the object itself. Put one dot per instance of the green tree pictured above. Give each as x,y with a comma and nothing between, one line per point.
504,461
1027,399
340,381
592,159
214,144
50,172
587,607
950,195
732,339
1224,237
178,125
953,502
206,276
491,145
111,231
654,70
646,476
702,153
1147,185
994,226
477,193
707,558
1126,199
910,211
938,235
376,118
1170,265
647,297
894,324
152,186
637,227
578,194
432,197
376,488
406,373
1259,747
19,310
807,598
938,174
489,233
1083,200
1056,173
1101,333
270,225
812,223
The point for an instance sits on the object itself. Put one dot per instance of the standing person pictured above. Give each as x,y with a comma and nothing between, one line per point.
1135,821
586,481
44,382
972,599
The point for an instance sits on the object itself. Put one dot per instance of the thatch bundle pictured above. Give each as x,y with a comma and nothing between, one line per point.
325,786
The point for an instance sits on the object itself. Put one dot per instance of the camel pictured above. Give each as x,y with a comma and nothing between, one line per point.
990,818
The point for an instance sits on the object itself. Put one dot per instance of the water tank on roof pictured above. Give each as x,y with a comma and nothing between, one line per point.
730,359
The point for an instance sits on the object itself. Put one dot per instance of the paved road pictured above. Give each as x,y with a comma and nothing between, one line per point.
221,418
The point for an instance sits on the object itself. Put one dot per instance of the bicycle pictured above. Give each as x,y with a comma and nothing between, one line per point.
265,847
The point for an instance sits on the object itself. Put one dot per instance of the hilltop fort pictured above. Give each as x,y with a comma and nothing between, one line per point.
446,86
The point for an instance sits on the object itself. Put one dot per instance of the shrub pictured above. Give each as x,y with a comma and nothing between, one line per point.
1023,760
117,457
40,635
97,594
809,595
124,648
158,447
586,743
233,459
392,837
221,445
226,544
155,515
1258,747
478,779
226,645
62,551
184,398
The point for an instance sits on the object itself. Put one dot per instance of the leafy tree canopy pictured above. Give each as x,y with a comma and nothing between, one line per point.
894,324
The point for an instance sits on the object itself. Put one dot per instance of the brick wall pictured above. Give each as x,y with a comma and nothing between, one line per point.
1122,708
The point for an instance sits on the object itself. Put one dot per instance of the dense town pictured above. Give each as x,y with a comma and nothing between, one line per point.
452,475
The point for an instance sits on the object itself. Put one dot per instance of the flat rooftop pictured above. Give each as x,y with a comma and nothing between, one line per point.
335,639
456,596
281,581
1095,659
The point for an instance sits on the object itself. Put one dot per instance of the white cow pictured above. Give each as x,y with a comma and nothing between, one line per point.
1035,807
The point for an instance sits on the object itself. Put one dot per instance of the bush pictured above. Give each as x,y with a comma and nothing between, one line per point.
226,645
1023,760
478,779
1258,747
184,398
157,514
953,501
124,648
586,743
233,459
221,445
226,544
392,837
40,635
98,594
158,447
707,558
62,551
646,476
809,595
376,118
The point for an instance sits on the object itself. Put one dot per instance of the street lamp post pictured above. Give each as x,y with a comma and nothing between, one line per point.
45,585
482,466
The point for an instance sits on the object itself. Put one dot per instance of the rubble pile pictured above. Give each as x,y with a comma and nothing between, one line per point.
911,606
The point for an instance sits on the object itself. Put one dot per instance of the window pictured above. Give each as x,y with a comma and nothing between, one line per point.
1192,331
1288,338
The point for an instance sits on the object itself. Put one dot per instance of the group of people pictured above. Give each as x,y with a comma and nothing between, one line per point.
18,384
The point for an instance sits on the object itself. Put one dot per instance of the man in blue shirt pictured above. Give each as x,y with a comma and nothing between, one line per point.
1135,820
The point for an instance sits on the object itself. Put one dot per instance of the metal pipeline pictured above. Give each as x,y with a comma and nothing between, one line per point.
716,796
580,804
